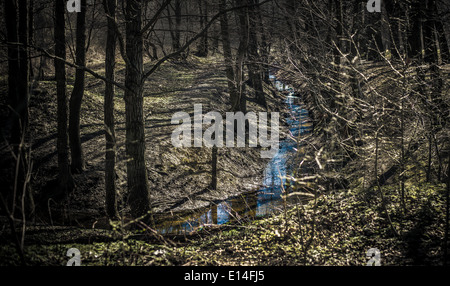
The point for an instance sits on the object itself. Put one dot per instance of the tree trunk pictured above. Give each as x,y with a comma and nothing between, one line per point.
206,34
22,108
110,160
8,195
240,103
203,45
13,77
11,23
31,33
76,99
254,67
13,67
264,47
215,38
18,94
176,44
447,213
402,142
214,168
228,56
290,8
138,199
430,148
416,47
337,88
383,199
385,29
64,175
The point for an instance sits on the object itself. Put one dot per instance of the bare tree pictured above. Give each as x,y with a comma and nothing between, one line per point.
203,43
139,198
254,66
110,61
241,104
64,177
228,56
77,164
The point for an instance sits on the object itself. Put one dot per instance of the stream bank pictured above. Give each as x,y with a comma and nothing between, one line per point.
277,183
178,177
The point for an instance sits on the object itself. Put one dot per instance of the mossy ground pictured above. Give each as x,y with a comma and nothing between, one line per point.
335,229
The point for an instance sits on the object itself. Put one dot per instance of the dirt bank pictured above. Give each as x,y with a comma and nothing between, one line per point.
178,177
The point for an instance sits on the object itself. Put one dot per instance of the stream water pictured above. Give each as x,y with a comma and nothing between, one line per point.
258,203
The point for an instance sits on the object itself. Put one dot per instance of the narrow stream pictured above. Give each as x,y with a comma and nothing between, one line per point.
259,203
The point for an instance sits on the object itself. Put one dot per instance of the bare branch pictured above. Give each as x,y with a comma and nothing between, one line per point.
197,36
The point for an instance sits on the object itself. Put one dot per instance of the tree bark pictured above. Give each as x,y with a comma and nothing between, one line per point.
138,199
228,56
13,67
31,33
22,108
176,39
203,45
254,67
214,168
77,164
385,29
110,160
18,94
8,195
64,175
241,104
13,77
337,87
447,213
264,47
416,47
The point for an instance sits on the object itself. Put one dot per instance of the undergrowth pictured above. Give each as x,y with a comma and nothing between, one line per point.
334,229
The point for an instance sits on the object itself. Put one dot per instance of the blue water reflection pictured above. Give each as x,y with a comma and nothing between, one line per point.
278,171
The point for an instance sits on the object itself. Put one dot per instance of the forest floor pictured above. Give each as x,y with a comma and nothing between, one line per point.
337,228
179,178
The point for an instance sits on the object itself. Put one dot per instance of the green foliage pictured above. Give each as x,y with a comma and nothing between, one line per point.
337,229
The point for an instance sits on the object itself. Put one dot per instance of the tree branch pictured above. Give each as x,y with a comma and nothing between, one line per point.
197,36
155,18
73,65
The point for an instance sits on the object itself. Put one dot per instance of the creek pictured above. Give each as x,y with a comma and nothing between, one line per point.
277,181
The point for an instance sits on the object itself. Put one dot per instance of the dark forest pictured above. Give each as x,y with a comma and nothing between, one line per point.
224,132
